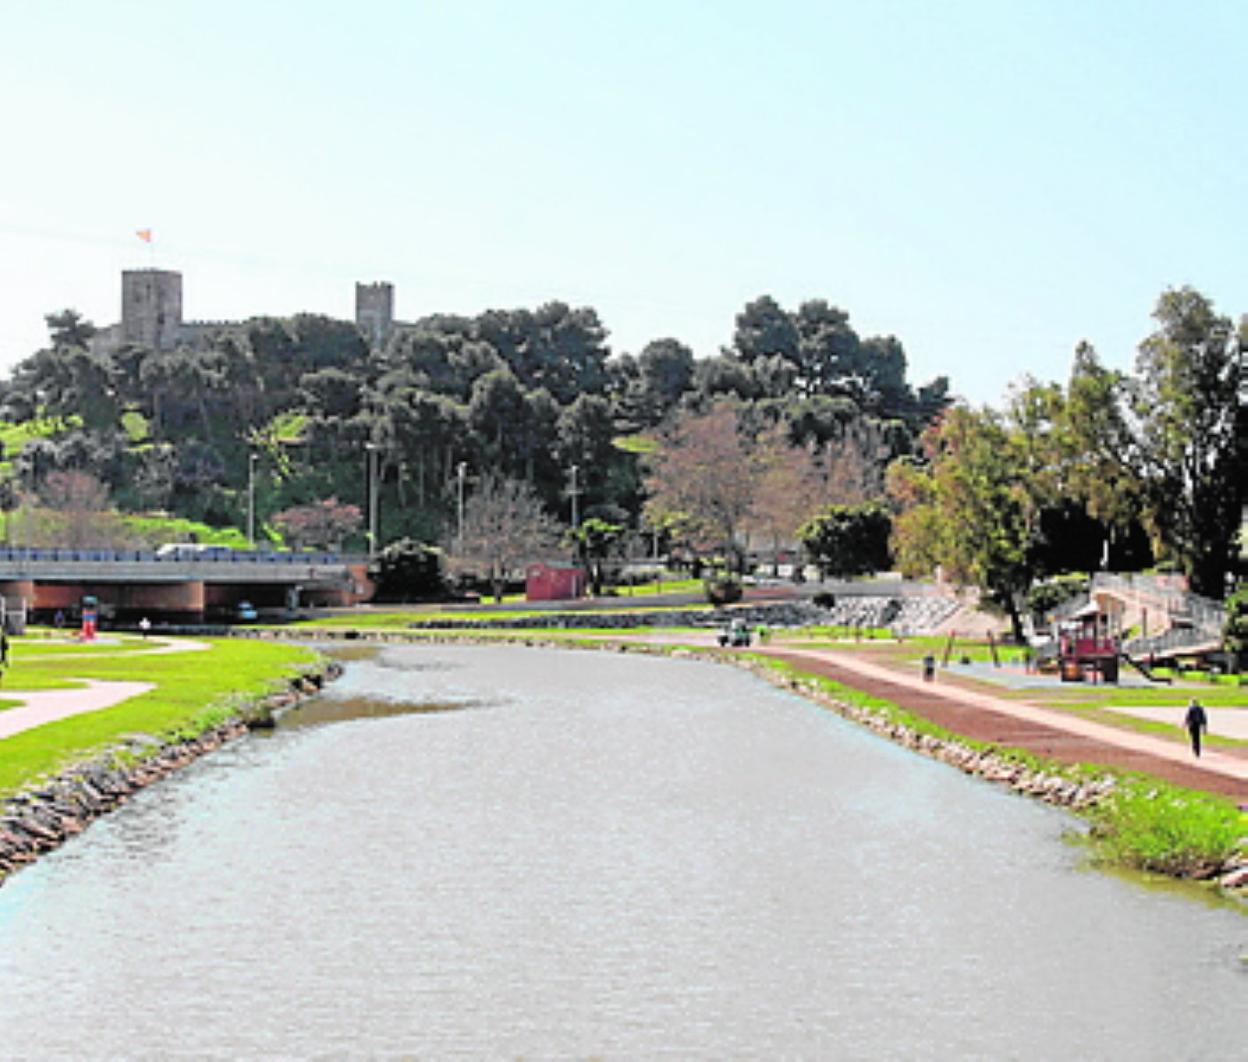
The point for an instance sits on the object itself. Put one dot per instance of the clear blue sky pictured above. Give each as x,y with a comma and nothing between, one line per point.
989,181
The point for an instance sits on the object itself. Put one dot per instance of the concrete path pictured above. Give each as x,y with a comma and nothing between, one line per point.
47,706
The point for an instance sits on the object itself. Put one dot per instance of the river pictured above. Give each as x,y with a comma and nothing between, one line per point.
596,854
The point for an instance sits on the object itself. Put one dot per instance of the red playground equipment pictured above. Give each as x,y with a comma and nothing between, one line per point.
90,617
1087,649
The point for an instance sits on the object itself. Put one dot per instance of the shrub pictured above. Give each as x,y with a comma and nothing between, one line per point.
722,591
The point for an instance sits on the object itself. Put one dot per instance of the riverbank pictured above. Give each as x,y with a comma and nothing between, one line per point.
69,767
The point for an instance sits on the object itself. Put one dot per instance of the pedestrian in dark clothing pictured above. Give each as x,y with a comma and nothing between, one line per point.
929,668
1195,721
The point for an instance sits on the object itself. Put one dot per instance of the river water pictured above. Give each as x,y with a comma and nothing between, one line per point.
590,854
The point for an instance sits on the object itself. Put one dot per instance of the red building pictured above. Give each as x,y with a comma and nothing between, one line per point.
554,582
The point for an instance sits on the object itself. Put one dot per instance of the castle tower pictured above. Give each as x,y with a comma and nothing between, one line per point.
151,307
374,312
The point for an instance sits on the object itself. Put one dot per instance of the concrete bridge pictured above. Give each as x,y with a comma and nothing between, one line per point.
190,584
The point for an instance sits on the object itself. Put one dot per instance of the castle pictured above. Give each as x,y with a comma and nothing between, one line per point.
151,315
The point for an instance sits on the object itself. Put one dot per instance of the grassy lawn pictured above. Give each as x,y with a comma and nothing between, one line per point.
193,691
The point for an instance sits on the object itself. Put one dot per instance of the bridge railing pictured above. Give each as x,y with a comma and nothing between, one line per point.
39,555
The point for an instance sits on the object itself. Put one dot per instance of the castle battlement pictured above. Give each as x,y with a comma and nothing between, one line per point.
151,313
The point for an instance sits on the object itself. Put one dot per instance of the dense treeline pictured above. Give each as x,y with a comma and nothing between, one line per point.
1112,470
518,394
799,429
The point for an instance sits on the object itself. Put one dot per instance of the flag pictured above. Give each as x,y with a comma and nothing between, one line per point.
144,234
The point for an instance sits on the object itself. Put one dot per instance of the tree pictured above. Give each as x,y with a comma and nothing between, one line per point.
505,527
787,487
594,540
966,510
71,510
828,355
407,570
69,328
664,373
701,471
584,438
1190,402
848,540
1235,631
323,524
498,414
765,329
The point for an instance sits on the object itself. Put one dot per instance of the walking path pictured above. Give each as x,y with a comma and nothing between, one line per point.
1045,731
47,706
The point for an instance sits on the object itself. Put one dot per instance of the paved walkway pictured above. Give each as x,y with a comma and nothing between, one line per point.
1055,734
47,706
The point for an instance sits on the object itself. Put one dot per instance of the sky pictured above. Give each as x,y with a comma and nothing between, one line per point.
990,181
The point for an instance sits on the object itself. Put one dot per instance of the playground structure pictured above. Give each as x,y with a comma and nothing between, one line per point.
1087,647
1139,620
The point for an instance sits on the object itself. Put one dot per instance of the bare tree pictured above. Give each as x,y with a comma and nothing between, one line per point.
505,527
702,475
72,510
788,484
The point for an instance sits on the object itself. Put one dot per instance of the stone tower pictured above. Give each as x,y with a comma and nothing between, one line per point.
374,312
151,307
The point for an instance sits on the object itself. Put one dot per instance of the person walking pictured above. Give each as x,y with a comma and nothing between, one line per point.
1195,721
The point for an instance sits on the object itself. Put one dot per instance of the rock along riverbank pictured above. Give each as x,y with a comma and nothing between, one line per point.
40,819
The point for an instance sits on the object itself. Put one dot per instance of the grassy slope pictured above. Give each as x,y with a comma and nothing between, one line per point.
194,690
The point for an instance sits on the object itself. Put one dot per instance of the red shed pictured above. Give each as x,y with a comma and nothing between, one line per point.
553,582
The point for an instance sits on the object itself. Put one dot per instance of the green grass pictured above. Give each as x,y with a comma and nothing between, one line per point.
1167,830
382,619
15,436
194,690
158,530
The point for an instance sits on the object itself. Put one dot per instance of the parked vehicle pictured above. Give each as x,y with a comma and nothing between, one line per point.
736,634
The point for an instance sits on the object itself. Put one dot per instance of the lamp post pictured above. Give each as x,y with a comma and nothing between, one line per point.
461,470
574,492
251,499
370,449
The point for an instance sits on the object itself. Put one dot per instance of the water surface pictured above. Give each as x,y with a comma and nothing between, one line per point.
591,854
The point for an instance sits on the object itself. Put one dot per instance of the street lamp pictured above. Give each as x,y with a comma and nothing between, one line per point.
574,492
251,498
461,471
371,449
